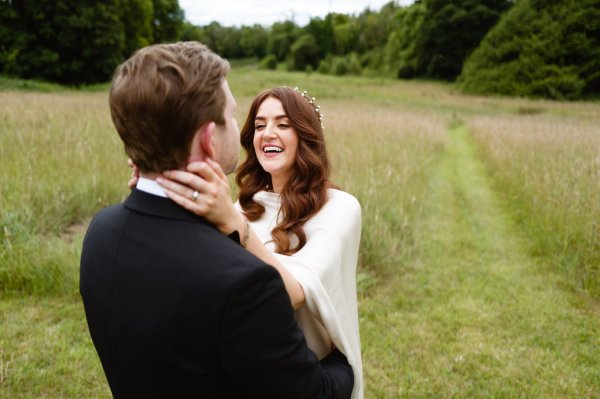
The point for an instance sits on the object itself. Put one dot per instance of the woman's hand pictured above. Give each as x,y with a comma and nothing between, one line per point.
213,199
135,174
213,202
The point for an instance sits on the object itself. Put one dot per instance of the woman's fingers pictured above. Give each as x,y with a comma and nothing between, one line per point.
183,177
181,184
217,169
203,170
203,192
198,207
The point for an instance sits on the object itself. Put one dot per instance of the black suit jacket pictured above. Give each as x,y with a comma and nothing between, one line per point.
178,310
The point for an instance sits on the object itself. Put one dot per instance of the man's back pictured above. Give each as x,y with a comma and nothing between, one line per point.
178,310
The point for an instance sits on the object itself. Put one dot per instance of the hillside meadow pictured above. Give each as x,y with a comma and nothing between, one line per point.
435,172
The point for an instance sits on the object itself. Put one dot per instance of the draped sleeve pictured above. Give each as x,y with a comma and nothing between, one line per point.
326,269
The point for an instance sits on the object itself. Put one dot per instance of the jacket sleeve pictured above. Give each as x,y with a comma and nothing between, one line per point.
264,352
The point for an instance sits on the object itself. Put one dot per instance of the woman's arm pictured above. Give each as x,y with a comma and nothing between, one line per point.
213,202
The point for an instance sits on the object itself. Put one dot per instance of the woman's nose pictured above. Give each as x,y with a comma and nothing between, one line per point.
270,130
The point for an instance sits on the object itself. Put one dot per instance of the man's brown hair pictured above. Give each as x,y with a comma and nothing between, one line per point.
161,96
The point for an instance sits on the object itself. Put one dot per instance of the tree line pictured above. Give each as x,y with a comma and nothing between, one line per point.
80,42
545,48
430,39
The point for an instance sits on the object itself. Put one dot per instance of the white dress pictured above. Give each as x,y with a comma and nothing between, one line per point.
326,269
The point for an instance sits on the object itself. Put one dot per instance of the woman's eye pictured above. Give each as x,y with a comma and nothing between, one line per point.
283,125
259,127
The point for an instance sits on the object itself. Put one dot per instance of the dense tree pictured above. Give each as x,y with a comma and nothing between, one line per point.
304,53
281,37
322,31
546,48
345,34
374,27
190,32
253,41
62,41
540,47
78,42
168,21
401,50
137,17
450,31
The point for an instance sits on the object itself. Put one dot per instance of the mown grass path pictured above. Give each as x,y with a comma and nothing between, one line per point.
474,315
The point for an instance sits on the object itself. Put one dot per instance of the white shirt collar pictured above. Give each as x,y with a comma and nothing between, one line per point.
150,186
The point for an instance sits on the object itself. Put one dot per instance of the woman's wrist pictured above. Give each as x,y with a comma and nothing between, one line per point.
235,222
241,226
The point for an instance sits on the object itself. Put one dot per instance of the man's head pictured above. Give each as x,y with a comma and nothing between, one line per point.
171,103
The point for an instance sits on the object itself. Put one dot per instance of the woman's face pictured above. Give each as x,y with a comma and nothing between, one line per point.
275,141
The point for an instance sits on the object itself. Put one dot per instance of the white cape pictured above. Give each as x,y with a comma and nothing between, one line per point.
326,269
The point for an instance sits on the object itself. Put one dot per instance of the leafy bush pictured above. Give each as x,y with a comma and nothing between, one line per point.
539,49
325,65
269,62
354,66
373,61
340,66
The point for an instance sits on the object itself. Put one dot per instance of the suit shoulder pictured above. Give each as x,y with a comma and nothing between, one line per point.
108,213
109,217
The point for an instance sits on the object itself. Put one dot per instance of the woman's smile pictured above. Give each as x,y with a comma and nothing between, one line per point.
272,150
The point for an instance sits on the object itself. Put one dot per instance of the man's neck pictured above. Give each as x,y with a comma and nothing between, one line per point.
149,175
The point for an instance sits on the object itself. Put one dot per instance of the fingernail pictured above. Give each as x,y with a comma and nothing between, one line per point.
159,180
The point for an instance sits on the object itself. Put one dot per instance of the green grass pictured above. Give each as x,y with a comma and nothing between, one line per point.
9,83
473,315
549,168
456,297
61,162
16,84
46,352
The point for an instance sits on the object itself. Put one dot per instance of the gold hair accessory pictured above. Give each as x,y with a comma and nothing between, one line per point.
311,101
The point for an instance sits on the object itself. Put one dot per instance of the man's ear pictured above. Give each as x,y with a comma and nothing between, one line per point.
203,145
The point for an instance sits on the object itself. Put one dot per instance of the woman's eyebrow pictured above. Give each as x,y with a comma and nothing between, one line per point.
262,118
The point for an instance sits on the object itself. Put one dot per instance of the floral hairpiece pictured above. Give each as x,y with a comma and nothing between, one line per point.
311,101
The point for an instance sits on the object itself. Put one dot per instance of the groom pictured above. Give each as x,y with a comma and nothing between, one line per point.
176,309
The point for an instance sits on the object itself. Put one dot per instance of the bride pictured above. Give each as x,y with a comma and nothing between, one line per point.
290,215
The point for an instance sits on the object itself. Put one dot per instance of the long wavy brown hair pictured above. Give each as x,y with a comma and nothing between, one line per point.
305,193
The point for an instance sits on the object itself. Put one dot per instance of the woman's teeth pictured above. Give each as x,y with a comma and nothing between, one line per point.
272,149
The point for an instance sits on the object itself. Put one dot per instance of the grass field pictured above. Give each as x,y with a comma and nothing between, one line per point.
479,268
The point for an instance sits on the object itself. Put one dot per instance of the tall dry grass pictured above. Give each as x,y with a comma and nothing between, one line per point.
61,162
549,169
382,155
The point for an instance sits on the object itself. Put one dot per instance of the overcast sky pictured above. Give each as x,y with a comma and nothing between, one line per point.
266,12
